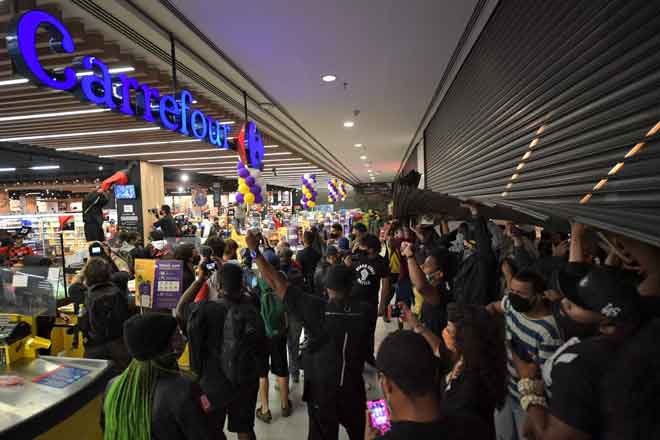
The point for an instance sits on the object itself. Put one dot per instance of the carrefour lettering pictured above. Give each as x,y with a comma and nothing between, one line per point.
117,92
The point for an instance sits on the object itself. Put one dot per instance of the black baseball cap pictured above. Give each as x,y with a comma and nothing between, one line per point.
331,251
600,290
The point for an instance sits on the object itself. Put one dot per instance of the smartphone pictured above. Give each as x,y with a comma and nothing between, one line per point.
394,311
518,348
379,415
95,251
211,266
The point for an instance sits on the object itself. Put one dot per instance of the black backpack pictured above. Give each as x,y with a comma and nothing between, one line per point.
235,344
107,310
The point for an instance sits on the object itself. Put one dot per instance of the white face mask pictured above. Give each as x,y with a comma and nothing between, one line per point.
159,244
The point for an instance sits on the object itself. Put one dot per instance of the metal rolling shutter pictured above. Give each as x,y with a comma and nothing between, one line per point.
557,110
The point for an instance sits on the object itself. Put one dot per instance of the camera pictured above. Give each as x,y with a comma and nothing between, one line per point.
153,211
95,250
210,266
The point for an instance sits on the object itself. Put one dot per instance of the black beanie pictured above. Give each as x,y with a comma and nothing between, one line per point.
147,336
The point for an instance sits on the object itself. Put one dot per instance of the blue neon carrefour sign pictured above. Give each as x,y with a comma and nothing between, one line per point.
117,92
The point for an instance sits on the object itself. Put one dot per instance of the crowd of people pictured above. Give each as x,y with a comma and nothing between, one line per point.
504,332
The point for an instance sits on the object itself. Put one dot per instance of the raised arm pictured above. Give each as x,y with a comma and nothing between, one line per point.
272,276
418,277
576,254
188,297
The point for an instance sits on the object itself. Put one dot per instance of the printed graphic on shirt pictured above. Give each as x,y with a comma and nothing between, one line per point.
364,271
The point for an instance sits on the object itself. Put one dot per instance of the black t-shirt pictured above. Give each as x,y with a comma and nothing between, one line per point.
93,204
308,258
167,225
434,316
177,411
368,273
577,371
467,395
448,427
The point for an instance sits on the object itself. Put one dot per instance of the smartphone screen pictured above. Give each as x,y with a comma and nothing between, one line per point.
379,414
96,251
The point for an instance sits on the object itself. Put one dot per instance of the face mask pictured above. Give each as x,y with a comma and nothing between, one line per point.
520,304
196,260
430,277
570,328
449,340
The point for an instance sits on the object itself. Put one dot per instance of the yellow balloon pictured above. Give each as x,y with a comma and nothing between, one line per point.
249,198
243,189
241,181
311,204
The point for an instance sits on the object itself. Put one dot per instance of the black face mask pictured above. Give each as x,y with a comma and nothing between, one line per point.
351,236
569,328
196,260
520,304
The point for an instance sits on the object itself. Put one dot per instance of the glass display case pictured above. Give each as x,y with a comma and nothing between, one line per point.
44,236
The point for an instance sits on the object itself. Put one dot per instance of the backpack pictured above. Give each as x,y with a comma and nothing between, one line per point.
107,310
239,349
273,311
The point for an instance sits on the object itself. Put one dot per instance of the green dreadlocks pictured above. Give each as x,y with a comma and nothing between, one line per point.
127,406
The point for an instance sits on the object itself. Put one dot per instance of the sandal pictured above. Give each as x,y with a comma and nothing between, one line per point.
265,417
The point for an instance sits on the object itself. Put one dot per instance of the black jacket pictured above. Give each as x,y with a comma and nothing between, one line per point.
475,282
176,412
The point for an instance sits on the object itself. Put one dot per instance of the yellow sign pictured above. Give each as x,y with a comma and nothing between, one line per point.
145,280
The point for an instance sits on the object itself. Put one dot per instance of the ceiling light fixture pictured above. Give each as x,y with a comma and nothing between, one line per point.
12,82
363,157
357,145
136,144
100,167
45,167
180,189
349,124
6,170
184,177
113,70
52,115
329,78
271,146
81,133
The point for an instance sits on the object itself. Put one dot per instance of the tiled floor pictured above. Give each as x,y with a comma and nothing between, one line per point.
295,427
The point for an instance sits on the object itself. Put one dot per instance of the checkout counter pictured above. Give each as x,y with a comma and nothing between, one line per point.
45,397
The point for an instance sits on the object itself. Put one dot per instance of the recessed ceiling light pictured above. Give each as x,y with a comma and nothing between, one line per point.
369,171
349,124
6,170
180,189
357,145
100,167
135,144
184,177
363,157
80,133
52,115
329,78
45,167
11,82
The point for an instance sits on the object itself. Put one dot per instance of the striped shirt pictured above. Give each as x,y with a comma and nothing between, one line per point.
539,337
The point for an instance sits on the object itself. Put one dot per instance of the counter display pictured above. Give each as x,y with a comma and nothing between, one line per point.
52,389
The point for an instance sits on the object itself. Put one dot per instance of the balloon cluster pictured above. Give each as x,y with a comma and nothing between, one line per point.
250,185
336,190
309,193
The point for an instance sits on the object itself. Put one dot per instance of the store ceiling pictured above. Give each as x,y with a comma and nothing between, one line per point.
38,116
391,55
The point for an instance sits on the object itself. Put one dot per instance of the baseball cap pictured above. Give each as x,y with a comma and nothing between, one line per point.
426,220
600,290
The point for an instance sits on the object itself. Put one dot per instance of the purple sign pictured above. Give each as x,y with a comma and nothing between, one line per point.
167,288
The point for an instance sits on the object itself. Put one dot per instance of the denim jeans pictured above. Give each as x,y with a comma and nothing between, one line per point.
510,420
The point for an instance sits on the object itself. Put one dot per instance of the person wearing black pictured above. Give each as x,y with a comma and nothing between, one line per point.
166,222
475,281
573,375
93,204
429,282
186,253
334,357
106,310
359,231
331,258
176,402
371,282
427,239
206,324
308,258
408,378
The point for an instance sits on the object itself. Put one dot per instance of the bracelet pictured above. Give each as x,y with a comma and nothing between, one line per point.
527,401
531,387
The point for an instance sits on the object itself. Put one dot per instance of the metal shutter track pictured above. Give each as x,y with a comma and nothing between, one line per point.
575,85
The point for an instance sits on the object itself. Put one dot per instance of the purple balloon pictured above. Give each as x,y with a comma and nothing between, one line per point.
256,189
245,174
304,199
258,198
239,198
249,180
